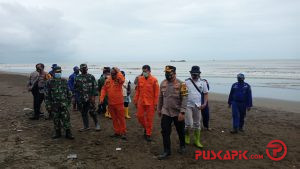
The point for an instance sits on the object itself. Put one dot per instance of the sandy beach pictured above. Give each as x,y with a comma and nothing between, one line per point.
28,144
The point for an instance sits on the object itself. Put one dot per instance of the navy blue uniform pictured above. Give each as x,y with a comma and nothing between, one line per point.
205,111
240,99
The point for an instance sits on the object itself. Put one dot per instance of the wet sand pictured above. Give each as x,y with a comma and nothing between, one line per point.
28,144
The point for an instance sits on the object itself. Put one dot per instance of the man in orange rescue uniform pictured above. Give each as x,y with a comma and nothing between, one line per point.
113,89
146,99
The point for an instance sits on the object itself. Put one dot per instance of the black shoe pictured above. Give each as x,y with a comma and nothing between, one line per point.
33,118
234,131
57,134
148,138
145,136
115,136
69,134
241,130
164,156
123,137
181,150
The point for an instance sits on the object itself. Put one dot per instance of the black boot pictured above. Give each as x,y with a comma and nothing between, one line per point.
69,134
148,138
57,134
234,131
164,155
181,150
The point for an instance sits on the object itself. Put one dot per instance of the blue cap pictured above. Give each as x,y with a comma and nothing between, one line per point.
75,68
241,75
54,65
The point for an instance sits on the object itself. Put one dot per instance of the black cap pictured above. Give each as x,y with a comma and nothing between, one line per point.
57,69
82,66
195,69
170,68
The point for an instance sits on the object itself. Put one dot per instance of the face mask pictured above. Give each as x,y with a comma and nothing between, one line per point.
168,76
113,75
195,76
57,75
241,80
83,71
145,74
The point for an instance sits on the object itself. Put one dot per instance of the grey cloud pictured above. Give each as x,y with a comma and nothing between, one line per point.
31,33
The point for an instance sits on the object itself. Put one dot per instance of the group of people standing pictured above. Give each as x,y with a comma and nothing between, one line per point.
184,103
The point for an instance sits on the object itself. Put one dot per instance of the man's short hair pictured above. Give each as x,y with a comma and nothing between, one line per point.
147,67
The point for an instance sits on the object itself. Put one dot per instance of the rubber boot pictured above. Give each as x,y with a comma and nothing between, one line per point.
57,134
106,114
187,136
69,134
127,113
197,138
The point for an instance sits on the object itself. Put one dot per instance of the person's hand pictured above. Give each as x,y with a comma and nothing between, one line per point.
248,108
101,102
116,69
180,117
159,114
155,107
202,107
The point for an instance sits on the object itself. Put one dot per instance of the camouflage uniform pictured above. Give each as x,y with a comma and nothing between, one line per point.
86,87
58,100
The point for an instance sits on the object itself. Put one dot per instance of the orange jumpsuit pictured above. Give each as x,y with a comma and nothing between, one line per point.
146,99
113,90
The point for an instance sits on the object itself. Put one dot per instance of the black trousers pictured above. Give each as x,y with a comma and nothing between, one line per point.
85,108
38,99
166,129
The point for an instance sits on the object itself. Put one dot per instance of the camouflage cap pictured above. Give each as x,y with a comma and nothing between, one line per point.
83,66
57,69
170,69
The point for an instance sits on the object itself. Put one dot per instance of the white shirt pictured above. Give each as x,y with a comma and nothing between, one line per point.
194,97
125,86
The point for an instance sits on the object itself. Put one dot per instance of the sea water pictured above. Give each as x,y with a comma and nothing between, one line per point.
276,79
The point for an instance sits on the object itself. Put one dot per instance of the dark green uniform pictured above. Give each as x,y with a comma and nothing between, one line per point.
86,87
58,100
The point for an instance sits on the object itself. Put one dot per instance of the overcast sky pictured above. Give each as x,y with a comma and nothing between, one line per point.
147,30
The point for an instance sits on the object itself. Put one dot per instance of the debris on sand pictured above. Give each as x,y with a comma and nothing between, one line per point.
27,109
72,156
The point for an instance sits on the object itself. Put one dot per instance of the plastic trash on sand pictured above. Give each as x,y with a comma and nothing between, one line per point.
27,109
72,156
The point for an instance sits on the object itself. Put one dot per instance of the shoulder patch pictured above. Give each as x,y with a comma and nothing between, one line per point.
183,89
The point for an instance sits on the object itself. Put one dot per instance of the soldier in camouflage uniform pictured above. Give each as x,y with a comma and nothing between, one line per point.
171,108
101,82
58,100
86,87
